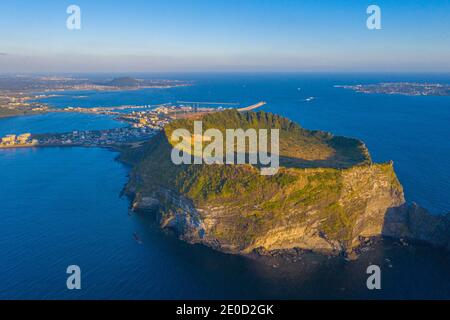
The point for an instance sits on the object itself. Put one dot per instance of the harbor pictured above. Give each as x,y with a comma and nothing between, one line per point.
143,122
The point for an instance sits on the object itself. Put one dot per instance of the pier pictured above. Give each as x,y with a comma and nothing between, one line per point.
252,107
209,103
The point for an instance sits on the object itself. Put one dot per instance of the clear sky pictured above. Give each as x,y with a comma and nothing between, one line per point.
232,35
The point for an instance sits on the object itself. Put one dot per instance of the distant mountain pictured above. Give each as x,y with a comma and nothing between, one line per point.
123,82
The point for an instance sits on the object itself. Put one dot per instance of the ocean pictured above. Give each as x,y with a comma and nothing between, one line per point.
62,206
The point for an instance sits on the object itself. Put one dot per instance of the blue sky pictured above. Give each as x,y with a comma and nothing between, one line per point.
215,35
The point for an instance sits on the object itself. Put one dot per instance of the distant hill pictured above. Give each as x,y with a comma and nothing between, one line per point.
123,82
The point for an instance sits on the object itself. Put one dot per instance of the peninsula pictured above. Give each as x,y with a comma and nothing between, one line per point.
21,94
328,196
402,88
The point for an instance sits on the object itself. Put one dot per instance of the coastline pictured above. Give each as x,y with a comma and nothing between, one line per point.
110,89
121,158
272,266
34,113
35,95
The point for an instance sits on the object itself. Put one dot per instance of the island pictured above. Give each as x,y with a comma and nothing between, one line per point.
328,196
401,88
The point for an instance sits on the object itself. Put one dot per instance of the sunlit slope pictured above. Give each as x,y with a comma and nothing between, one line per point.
298,147
325,197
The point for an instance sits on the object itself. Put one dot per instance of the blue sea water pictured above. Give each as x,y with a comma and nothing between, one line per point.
57,123
62,206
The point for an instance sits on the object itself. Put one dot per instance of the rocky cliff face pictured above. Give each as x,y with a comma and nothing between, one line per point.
415,223
172,210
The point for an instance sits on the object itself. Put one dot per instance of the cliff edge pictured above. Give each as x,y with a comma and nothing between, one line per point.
327,196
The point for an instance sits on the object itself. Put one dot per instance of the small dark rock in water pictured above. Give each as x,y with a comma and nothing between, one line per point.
137,238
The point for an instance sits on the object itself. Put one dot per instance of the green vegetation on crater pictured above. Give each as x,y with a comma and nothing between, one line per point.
299,147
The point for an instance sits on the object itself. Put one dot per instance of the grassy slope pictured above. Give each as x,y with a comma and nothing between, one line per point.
7,112
253,204
298,147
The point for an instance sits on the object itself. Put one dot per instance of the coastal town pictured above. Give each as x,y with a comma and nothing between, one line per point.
23,94
142,125
96,138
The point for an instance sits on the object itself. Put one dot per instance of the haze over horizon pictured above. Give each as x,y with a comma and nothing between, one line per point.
176,36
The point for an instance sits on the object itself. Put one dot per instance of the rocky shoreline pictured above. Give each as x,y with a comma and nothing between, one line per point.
406,225
333,211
